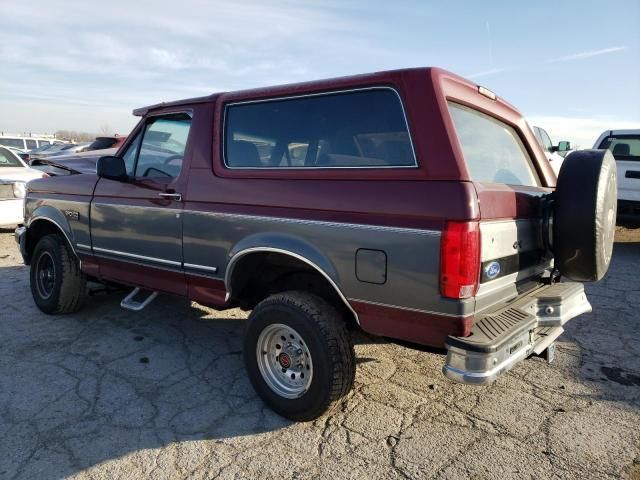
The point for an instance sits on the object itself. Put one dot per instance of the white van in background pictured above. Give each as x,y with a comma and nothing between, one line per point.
25,143
625,147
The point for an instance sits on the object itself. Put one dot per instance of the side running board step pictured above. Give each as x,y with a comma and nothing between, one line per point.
130,303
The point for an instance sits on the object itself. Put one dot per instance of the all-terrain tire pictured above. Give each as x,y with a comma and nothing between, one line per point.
66,289
323,332
584,217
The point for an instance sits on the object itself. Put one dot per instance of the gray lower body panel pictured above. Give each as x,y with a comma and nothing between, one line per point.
501,339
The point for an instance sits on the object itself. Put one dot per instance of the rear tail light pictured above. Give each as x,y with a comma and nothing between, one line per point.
460,259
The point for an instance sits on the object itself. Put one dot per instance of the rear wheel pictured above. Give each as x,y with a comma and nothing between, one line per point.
585,215
298,355
57,284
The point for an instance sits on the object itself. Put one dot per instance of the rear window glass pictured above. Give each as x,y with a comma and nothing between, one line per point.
492,150
623,147
364,128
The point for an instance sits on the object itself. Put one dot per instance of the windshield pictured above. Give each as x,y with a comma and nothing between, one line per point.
8,159
623,147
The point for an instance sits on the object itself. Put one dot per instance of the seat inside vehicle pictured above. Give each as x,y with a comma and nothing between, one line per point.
621,149
244,154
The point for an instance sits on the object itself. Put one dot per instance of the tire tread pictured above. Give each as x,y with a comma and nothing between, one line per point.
72,292
333,329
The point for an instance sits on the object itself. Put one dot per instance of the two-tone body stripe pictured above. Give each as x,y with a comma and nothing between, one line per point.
211,271
137,257
363,226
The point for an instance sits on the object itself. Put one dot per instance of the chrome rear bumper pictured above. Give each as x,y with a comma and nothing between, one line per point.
501,339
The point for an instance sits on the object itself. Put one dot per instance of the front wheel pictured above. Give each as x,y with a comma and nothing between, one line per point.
298,355
57,284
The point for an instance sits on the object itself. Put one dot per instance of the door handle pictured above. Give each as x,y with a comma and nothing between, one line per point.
171,196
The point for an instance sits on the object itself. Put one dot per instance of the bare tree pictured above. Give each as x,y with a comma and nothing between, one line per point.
74,136
105,129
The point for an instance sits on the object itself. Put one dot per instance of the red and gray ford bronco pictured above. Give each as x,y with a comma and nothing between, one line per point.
411,204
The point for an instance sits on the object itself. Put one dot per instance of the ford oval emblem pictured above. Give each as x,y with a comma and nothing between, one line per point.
492,270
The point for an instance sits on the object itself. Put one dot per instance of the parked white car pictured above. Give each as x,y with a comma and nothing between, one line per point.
25,143
14,175
554,153
625,147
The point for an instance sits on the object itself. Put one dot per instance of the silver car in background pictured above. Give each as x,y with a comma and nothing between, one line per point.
14,175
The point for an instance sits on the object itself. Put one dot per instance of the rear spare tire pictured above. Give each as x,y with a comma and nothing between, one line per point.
584,216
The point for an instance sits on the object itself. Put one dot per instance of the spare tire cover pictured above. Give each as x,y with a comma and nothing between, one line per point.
584,214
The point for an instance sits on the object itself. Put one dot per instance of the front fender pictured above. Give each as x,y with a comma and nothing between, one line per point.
44,219
55,216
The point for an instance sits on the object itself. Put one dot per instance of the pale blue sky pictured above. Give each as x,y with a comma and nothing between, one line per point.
572,67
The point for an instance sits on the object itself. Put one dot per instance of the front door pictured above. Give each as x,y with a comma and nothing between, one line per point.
136,226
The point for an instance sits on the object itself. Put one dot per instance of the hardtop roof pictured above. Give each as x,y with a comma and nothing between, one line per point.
323,84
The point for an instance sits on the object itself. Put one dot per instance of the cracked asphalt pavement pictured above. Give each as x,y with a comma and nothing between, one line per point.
107,393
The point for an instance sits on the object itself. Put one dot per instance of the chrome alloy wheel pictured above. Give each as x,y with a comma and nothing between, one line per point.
45,275
284,360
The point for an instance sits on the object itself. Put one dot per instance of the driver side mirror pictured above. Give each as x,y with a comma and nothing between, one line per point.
112,168
562,147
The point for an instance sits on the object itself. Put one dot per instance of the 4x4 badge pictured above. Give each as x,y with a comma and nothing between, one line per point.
71,214
492,270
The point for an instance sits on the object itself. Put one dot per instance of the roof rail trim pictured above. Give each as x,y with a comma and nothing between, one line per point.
142,111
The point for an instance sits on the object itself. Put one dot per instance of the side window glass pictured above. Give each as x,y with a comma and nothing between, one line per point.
357,129
31,144
163,145
492,149
129,156
12,142
546,141
7,159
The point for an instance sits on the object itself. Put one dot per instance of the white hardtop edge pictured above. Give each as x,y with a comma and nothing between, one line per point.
609,133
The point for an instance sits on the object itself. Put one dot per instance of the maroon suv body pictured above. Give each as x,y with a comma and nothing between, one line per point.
411,203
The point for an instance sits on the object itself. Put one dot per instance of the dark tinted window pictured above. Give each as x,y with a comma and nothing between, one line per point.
31,144
623,147
12,142
365,128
